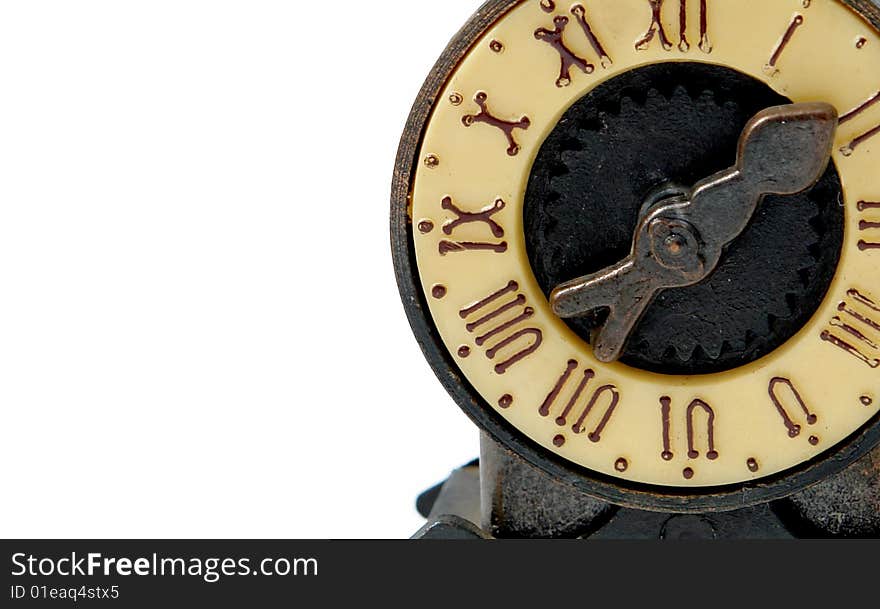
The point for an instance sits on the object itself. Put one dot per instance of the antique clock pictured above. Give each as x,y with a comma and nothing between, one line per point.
639,243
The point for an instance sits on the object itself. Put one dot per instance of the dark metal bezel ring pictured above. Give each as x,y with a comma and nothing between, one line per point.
615,491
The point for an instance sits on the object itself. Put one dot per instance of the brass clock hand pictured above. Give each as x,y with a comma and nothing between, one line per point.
680,238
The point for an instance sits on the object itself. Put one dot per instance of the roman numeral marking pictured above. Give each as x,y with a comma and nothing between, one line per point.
604,394
568,59
490,325
544,411
464,217
666,412
506,127
695,407
655,28
580,14
860,108
850,148
778,388
869,226
452,247
484,216
683,44
796,22
852,330
705,45
658,29
693,453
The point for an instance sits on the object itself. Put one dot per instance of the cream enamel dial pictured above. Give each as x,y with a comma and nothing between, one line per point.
468,193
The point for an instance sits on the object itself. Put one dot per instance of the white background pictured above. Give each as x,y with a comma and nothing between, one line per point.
200,331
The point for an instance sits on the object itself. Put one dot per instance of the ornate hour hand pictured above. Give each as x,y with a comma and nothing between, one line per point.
682,233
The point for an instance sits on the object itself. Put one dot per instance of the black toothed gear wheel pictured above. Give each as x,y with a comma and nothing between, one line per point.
678,123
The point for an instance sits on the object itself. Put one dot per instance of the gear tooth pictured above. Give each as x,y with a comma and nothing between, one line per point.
655,98
636,96
711,96
726,348
715,349
596,128
681,94
627,104
558,169
641,94
699,354
671,354
730,106
754,342
703,94
686,348
566,157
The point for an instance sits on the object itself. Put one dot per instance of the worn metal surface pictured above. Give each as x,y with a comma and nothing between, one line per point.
846,505
757,522
601,487
453,507
682,233
519,501
460,495
451,528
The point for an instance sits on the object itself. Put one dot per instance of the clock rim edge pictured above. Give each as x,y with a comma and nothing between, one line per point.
608,488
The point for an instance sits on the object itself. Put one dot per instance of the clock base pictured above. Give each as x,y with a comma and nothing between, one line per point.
500,496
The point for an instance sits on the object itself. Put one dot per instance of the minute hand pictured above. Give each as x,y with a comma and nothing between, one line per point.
783,150
679,241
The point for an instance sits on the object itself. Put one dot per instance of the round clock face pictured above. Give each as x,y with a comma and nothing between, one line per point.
539,143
